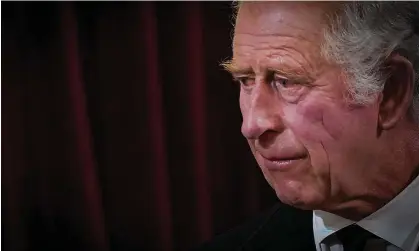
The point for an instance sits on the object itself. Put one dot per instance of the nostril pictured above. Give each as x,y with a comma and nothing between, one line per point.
267,138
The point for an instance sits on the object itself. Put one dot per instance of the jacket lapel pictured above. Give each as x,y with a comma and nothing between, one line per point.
286,229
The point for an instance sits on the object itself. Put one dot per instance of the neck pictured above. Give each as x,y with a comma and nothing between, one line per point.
391,177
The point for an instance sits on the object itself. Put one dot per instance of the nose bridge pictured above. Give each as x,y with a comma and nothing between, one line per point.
262,114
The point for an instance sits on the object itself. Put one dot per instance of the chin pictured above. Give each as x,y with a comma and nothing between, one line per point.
299,198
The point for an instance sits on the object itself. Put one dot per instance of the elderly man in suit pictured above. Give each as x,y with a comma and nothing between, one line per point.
329,94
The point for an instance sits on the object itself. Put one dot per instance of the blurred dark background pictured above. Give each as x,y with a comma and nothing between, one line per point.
120,131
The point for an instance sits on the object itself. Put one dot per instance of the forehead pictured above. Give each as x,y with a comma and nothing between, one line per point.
279,31
264,17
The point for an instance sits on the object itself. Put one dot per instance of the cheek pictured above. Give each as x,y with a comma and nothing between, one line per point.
327,119
333,122
314,121
331,132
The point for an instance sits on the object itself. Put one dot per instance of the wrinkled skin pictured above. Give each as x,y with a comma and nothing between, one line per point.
294,106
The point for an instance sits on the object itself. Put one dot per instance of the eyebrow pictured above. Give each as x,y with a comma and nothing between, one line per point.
234,69
284,70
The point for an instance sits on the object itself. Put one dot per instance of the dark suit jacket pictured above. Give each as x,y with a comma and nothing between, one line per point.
282,228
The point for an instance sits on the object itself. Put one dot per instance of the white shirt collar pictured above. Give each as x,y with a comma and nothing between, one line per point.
397,222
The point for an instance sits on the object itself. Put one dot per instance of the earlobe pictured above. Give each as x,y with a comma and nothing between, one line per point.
398,91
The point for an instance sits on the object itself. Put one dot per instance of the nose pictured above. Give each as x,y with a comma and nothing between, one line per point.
261,113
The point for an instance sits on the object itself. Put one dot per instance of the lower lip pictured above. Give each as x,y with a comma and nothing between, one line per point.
281,165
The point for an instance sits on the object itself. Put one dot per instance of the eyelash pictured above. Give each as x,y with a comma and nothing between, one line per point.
242,79
275,78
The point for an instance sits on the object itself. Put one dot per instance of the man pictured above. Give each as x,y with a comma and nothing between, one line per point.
329,95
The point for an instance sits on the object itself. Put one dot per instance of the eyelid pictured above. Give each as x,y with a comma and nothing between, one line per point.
241,77
277,75
299,80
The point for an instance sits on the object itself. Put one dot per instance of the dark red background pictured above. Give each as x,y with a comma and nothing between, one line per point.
120,131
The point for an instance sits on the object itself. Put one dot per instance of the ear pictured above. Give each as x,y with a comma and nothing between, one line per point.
398,91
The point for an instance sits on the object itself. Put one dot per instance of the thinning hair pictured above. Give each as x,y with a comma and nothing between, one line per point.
360,36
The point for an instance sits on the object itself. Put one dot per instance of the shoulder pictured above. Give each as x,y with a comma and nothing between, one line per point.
275,227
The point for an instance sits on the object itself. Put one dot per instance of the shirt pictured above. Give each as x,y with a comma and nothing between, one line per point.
397,222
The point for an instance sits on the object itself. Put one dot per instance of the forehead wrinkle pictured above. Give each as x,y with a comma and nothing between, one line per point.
270,35
272,44
286,59
302,61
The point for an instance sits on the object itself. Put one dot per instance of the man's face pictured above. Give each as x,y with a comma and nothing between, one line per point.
311,146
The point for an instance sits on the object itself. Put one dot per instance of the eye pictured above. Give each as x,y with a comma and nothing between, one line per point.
284,83
245,81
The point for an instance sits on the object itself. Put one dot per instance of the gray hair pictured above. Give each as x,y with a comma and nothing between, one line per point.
362,35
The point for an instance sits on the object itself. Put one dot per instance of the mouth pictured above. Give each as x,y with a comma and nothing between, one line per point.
282,164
